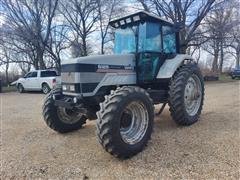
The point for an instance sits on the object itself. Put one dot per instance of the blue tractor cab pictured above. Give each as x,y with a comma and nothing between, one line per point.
151,38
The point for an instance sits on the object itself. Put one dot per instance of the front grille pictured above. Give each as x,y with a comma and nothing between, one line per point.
69,77
85,87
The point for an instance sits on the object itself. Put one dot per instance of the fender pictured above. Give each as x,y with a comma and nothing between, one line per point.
170,66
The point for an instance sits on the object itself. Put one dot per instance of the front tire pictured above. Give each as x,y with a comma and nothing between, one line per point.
125,121
20,88
186,94
60,119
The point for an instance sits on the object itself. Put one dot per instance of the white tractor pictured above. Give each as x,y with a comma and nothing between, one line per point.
120,90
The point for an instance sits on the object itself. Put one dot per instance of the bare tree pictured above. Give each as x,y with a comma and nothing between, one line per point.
234,41
107,10
235,44
218,25
58,42
31,21
81,16
187,14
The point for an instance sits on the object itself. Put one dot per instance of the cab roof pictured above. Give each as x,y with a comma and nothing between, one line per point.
141,16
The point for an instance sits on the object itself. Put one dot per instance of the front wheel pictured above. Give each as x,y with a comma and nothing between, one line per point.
61,119
186,94
20,88
125,121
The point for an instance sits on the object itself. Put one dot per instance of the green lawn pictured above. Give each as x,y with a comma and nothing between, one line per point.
224,77
227,78
9,89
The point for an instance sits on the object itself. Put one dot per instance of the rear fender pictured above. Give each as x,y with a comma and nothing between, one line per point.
170,66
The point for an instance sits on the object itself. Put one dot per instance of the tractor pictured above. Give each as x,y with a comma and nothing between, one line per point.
120,90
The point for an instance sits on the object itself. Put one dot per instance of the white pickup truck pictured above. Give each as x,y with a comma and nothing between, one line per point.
39,80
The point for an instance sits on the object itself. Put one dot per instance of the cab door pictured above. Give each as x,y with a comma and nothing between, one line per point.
156,44
149,52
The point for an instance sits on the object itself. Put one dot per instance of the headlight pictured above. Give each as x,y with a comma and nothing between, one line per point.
64,87
72,88
68,87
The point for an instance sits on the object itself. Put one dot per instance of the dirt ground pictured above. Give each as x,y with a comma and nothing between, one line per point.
206,150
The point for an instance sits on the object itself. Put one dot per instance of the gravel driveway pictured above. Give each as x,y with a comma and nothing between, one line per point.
207,149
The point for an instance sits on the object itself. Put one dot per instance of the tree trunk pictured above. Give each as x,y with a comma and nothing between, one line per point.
102,47
84,46
222,58
183,49
35,64
40,59
6,73
182,41
215,61
238,57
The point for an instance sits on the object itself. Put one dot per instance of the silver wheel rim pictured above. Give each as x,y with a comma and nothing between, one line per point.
134,123
68,116
193,95
45,89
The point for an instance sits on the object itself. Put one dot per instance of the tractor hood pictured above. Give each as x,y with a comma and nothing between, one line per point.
127,59
99,63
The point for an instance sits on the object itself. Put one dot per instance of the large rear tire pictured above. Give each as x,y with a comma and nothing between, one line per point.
186,94
60,119
125,121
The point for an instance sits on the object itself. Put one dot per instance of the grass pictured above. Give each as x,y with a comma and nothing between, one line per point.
9,89
224,77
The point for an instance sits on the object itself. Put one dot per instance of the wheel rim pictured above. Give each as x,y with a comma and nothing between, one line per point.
68,116
134,123
193,95
45,89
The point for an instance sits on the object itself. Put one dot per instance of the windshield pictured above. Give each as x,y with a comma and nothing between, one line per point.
125,40
149,39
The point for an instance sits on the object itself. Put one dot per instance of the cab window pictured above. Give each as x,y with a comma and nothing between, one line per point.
149,37
169,40
125,40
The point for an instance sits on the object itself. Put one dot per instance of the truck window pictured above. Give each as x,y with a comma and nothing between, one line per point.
34,74
27,75
48,73
31,75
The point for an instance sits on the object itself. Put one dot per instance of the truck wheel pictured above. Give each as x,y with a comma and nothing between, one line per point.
45,88
186,94
20,88
125,121
61,119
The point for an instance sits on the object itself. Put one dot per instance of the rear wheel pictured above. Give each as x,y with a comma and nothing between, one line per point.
125,121
45,88
61,119
186,95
